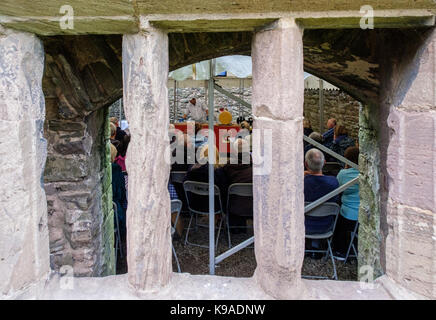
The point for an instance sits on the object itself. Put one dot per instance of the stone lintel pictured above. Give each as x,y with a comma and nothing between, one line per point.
182,20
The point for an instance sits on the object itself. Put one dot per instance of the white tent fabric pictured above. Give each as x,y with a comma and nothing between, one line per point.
238,65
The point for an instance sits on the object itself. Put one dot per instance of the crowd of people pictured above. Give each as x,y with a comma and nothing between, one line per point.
237,167
229,168
317,185
119,143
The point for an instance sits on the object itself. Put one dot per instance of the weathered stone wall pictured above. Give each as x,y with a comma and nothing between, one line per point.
76,182
338,105
370,235
78,173
408,153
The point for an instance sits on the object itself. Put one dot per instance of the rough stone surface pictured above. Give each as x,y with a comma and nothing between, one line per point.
408,168
24,255
145,73
77,86
211,288
278,202
370,235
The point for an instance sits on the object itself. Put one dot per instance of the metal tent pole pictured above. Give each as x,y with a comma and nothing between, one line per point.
175,102
211,155
321,106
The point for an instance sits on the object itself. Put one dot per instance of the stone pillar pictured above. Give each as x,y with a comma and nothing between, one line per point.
409,116
278,94
369,188
145,73
24,249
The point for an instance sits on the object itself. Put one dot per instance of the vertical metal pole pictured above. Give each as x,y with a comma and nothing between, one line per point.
120,109
321,106
241,91
175,102
211,154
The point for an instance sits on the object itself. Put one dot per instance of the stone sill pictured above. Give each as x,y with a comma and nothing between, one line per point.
204,287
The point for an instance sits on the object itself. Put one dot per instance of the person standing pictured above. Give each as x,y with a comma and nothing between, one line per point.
196,110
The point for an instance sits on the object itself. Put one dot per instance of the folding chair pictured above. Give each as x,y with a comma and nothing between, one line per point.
331,168
118,246
238,190
176,178
351,245
176,206
201,189
324,210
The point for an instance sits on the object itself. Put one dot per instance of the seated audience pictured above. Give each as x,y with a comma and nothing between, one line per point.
119,195
341,140
327,136
185,145
120,133
122,150
307,127
350,205
200,172
316,185
199,139
239,170
113,134
315,136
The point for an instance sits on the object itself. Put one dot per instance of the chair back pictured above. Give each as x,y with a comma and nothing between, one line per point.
332,168
324,210
177,176
201,190
240,196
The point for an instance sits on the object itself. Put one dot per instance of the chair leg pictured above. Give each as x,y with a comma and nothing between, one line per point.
218,235
187,231
228,230
353,234
335,275
177,260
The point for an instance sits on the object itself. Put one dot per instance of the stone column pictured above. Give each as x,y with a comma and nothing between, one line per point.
145,73
409,140
278,94
24,248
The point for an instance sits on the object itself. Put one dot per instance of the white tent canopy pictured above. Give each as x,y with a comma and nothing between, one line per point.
238,65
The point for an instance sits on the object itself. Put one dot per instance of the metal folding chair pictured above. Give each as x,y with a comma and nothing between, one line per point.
176,206
351,245
118,246
201,189
177,176
324,210
240,190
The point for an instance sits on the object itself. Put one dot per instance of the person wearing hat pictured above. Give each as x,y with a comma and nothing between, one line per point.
197,111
